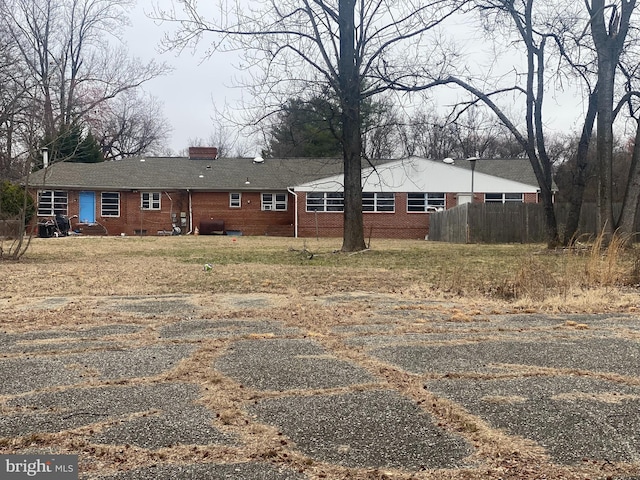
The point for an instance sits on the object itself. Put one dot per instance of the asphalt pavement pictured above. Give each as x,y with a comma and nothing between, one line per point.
166,387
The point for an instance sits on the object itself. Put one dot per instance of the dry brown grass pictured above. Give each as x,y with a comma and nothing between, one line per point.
520,276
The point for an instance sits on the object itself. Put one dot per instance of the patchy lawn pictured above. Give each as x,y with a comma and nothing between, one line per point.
509,276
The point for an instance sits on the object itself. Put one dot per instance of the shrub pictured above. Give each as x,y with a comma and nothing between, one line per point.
12,201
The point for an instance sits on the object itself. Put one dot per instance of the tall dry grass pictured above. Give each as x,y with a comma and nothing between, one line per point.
603,272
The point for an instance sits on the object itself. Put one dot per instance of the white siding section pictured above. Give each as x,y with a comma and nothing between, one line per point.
422,175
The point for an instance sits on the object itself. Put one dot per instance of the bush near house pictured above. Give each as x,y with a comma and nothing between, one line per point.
12,202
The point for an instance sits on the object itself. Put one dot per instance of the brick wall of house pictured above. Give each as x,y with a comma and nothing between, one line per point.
132,220
206,207
135,221
72,202
400,224
248,219
251,220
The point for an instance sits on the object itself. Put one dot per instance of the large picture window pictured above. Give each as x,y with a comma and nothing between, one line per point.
110,204
378,202
425,202
325,202
150,200
503,197
274,201
51,202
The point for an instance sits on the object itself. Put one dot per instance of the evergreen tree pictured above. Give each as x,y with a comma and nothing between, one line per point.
306,128
71,145
311,128
88,150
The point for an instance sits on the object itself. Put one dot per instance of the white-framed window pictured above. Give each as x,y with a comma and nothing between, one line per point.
274,201
235,199
51,202
503,197
110,204
426,202
150,200
325,202
378,202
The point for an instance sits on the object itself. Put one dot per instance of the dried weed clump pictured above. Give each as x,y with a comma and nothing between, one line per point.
587,277
606,265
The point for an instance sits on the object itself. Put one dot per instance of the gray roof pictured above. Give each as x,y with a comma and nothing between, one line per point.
516,169
177,173
226,174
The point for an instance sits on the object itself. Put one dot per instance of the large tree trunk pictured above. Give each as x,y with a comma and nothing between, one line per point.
608,37
626,225
604,134
579,180
353,233
550,222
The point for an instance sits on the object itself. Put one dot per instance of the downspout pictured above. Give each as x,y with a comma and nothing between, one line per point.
190,213
174,219
295,212
171,208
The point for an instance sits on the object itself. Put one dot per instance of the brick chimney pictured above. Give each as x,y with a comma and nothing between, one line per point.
203,153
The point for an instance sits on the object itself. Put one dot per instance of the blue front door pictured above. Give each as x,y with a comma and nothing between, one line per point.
87,212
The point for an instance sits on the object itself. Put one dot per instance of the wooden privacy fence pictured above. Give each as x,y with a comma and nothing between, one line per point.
489,223
505,223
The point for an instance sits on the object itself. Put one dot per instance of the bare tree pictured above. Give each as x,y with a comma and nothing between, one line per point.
538,31
229,140
626,225
610,25
15,88
518,17
428,134
129,125
382,130
595,44
356,48
58,65
64,46
469,133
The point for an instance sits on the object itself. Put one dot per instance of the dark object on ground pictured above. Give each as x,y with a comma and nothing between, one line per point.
211,227
46,229
63,224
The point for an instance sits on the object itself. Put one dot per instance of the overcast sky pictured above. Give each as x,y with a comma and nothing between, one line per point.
198,86
195,86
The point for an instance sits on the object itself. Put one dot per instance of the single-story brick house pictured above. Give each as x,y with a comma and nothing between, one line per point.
285,197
